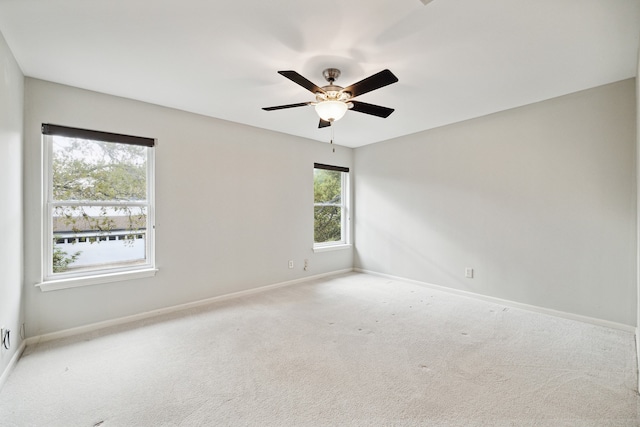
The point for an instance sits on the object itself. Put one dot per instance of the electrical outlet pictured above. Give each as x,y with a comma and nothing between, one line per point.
468,273
290,263
306,264
4,338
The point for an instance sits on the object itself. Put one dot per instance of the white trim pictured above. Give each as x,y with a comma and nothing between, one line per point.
12,363
167,310
345,198
107,203
336,247
637,341
46,193
345,216
513,304
55,285
151,210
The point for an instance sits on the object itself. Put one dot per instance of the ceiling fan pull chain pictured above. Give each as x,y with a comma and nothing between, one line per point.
334,148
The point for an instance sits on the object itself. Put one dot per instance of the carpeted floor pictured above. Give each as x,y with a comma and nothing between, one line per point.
353,350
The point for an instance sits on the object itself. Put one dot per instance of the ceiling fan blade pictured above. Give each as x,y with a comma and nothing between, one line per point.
297,78
323,124
282,107
374,110
376,81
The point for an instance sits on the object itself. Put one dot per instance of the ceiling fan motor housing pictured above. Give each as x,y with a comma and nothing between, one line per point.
332,92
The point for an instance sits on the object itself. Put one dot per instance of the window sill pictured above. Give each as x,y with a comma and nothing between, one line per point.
328,248
54,285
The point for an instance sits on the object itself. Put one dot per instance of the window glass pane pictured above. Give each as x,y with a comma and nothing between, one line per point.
96,170
100,206
89,237
327,186
327,224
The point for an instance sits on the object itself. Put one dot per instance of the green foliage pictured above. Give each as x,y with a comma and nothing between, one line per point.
95,171
60,259
327,190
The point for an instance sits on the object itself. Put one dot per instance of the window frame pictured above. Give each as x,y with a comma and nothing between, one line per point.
345,219
103,274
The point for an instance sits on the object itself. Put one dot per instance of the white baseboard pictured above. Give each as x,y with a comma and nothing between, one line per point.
149,314
12,363
637,359
514,304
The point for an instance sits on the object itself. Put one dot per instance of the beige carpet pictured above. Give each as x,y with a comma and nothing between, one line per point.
354,350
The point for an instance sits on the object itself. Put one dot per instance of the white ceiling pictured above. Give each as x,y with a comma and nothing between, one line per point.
455,59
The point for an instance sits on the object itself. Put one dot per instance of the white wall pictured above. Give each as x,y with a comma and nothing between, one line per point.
234,204
539,200
638,215
11,243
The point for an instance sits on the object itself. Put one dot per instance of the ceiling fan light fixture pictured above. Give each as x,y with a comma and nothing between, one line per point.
330,110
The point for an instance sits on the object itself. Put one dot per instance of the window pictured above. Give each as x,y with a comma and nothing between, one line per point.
330,197
98,207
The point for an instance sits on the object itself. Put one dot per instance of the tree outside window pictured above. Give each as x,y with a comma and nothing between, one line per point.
329,187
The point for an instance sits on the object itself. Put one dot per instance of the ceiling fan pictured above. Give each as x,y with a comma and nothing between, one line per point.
333,101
